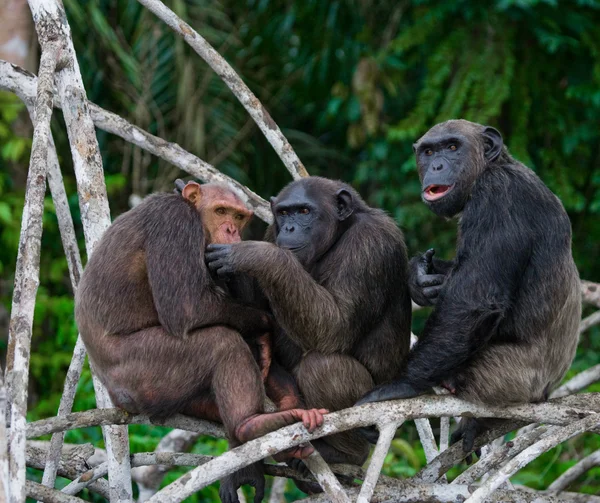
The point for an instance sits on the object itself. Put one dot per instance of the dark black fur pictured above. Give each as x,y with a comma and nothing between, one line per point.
337,285
505,324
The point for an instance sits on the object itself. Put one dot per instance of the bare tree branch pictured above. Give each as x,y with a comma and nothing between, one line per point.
531,453
578,382
4,485
406,492
386,435
590,321
325,477
241,91
23,83
43,493
576,471
103,417
148,478
27,275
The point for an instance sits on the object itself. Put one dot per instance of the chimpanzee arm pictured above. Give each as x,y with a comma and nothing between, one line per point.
477,295
184,295
313,316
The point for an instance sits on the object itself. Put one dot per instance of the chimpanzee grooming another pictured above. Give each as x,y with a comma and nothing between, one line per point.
336,279
505,325
163,336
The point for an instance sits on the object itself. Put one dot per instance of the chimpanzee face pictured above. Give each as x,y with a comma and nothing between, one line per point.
309,224
450,158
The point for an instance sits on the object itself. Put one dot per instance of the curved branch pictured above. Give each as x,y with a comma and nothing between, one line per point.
365,415
531,453
104,417
241,91
578,382
576,471
23,84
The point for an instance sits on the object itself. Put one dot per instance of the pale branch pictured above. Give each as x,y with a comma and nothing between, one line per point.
65,407
386,435
241,91
71,464
278,490
48,495
578,382
500,455
365,415
590,292
406,492
520,460
27,275
148,478
104,417
23,84
427,438
4,494
592,320
576,471
444,433
454,454
327,480
51,24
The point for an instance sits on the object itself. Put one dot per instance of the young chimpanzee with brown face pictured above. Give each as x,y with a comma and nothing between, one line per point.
336,279
163,336
507,309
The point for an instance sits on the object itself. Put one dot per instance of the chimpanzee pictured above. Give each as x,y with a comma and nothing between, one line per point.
507,308
163,336
336,279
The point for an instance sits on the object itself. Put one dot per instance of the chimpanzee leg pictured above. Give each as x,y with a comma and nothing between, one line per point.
503,375
335,381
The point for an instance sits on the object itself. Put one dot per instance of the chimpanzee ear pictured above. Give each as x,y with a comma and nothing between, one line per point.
192,192
414,148
493,143
345,205
272,201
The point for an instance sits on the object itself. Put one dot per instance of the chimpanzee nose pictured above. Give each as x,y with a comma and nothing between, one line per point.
437,166
232,230
289,228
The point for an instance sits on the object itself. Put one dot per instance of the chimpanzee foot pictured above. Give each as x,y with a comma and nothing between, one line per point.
261,424
391,391
467,431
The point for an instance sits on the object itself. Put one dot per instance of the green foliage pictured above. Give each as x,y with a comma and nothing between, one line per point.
352,83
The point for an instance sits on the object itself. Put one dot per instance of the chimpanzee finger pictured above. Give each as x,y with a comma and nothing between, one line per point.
179,185
259,489
228,493
432,293
430,279
213,247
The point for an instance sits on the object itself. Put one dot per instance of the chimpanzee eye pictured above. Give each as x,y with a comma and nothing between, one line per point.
304,211
428,151
452,146
220,211
239,216
283,213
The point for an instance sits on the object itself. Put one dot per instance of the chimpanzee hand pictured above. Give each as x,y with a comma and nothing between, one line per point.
424,282
253,475
179,185
219,260
391,391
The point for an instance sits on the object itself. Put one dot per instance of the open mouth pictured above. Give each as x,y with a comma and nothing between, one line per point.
435,192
